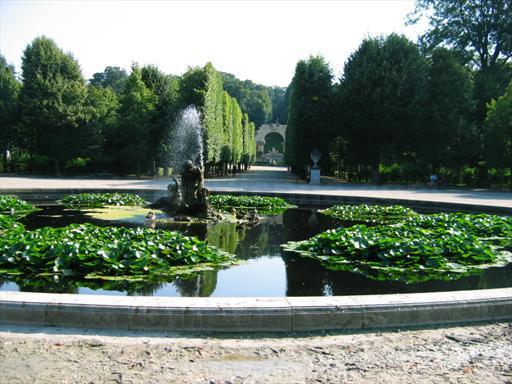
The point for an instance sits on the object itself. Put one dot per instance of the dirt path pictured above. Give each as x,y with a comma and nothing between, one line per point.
476,354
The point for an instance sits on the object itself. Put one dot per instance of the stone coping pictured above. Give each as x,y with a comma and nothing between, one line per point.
255,314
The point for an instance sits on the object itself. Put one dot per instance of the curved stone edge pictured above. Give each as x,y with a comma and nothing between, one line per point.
231,314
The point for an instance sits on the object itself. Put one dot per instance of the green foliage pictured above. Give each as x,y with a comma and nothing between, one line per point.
280,97
444,137
248,141
237,144
256,100
259,106
192,87
252,142
310,116
121,123
137,109
112,77
7,222
14,207
103,107
165,88
371,214
221,116
498,129
227,125
381,92
212,114
9,92
87,251
52,102
263,204
420,248
102,200
489,83
479,29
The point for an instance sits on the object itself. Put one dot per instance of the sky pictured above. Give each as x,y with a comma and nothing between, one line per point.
257,40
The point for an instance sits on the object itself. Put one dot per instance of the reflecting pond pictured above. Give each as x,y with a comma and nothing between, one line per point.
265,270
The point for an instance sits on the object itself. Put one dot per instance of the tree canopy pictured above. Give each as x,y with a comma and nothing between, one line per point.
137,109
498,129
310,116
480,29
52,102
113,77
382,90
9,91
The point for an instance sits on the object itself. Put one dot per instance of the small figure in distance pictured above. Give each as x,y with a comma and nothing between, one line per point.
433,180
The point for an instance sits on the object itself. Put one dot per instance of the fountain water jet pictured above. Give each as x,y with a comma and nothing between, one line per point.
186,139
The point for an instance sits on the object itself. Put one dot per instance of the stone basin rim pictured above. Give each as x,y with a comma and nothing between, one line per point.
255,314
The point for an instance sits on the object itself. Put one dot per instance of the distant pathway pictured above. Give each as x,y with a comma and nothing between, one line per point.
273,180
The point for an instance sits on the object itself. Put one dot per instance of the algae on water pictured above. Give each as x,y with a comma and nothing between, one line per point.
129,214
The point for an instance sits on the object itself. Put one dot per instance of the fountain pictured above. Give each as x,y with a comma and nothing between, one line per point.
188,196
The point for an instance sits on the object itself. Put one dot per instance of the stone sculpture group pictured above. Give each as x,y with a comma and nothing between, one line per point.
188,196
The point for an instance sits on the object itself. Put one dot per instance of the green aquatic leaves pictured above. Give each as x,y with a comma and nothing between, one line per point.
15,207
6,222
420,248
97,200
83,250
371,214
266,205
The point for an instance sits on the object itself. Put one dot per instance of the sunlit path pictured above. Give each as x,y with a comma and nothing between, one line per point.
272,180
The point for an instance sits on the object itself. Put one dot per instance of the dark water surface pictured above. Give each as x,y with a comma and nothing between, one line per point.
266,270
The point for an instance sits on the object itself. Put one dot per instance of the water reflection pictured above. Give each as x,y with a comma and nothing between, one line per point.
201,285
306,277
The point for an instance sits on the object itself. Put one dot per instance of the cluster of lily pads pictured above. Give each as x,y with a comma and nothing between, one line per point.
266,205
97,200
416,249
87,251
12,207
371,214
92,252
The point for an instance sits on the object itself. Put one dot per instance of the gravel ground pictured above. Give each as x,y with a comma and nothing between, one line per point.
471,354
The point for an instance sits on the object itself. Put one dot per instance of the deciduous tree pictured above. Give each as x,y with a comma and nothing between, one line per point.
52,102
9,91
498,131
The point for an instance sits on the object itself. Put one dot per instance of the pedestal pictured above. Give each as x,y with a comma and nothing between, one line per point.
314,177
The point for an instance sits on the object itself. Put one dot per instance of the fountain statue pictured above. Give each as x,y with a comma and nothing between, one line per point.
188,196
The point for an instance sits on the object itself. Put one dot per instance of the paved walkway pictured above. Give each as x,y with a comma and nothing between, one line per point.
273,180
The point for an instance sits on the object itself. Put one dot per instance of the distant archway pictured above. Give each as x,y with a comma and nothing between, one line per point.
274,141
271,143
